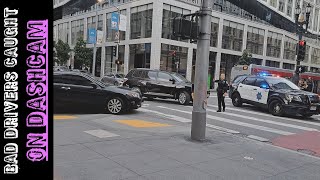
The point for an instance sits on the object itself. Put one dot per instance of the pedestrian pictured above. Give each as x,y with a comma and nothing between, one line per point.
309,85
222,92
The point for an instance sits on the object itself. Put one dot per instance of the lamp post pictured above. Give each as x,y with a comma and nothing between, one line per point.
299,20
95,44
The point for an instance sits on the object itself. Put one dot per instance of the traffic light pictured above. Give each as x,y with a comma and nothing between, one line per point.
114,50
301,50
301,69
184,28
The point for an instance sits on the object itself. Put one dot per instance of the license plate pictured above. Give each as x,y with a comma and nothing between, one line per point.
313,108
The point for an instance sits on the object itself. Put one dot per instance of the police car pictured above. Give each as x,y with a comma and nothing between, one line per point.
279,95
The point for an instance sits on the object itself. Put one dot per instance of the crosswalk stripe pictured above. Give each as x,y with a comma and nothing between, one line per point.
272,130
268,115
176,118
267,121
258,138
185,120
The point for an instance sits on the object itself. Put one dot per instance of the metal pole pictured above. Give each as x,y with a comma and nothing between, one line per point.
198,127
118,42
296,77
95,45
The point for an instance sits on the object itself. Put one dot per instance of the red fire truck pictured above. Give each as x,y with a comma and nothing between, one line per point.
272,71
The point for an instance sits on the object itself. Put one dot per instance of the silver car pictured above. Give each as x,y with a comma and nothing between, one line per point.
113,78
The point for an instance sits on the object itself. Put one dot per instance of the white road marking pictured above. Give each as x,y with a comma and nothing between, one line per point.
223,129
272,130
268,115
101,133
173,117
258,138
267,121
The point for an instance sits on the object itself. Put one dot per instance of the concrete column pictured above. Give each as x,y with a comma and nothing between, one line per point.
220,32
156,34
282,46
189,64
126,47
245,37
217,69
265,44
85,25
103,48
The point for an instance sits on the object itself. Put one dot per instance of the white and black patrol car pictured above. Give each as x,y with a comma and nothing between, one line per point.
279,95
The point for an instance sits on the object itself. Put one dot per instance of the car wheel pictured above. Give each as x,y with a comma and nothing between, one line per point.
184,98
115,105
276,108
236,100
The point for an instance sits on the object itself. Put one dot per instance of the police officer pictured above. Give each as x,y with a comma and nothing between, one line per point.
221,92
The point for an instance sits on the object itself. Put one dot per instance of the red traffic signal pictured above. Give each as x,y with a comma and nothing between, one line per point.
301,42
301,50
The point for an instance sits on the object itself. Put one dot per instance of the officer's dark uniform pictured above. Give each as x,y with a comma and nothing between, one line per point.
222,88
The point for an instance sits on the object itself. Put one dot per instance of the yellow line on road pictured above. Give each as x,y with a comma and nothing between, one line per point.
141,123
63,117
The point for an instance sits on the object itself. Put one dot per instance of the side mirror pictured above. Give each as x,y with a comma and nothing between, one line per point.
172,80
94,86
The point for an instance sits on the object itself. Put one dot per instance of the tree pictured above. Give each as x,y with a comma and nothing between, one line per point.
82,54
62,52
245,59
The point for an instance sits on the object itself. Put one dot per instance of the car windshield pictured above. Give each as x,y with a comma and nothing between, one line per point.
119,75
179,77
281,83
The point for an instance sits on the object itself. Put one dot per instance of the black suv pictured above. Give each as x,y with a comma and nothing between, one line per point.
162,84
279,95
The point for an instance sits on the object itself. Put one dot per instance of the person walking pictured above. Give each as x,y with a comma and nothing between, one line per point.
309,85
222,92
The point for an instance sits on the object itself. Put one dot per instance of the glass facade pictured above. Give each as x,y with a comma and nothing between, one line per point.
169,12
274,3
111,34
272,63
141,22
174,59
289,48
255,40
281,5
274,44
226,64
139,56
232,35
288,66
77,30
110,65
214,32
289,8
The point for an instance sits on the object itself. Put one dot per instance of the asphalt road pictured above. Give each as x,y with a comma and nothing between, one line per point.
246,121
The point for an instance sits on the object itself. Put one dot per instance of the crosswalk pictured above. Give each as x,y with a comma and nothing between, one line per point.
253,124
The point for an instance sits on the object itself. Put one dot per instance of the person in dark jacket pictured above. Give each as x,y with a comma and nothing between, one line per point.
221,92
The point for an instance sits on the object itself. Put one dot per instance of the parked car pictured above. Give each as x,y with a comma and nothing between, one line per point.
160,84
113,78
279,95
75,89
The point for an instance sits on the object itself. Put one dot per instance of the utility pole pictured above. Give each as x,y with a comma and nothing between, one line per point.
118,40
95,45
198,127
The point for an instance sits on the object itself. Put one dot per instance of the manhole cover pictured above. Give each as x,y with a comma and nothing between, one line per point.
306,151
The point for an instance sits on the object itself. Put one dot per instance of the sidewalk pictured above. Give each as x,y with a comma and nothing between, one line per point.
162,150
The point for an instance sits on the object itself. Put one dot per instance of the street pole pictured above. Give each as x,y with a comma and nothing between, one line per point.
198,127
95,45
296,77
118,41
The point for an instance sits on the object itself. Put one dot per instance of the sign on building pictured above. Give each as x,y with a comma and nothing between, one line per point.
123,23
114,21
92,36
99,37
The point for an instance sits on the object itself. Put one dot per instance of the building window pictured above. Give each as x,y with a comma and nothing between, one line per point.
281,5
288,66
272,63
139,56
141,22
311,13
214,32
289,8
91,22
316,20
306,57
100,22
274,3
60,32
274,44
289,48
174,59
110,65
170,12
77,30
232,35
255,40
315,56
73,32
111,34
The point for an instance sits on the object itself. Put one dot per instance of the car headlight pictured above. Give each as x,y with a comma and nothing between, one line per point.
291,98
134,94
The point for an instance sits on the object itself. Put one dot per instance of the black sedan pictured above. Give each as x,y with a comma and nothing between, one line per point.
79,90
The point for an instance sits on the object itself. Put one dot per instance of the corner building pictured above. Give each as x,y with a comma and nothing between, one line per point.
149,43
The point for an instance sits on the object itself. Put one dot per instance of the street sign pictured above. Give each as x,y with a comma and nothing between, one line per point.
92,36
115,21
123,23
99,37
